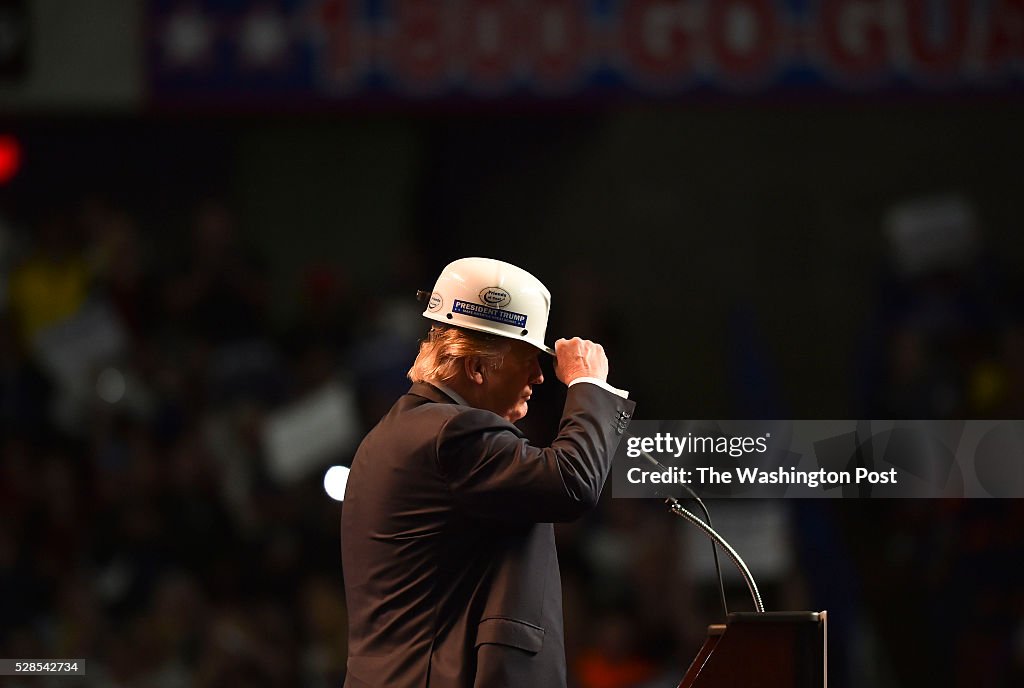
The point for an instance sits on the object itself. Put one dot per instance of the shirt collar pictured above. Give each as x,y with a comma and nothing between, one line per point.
455,396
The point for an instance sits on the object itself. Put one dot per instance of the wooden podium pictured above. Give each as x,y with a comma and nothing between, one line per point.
766,650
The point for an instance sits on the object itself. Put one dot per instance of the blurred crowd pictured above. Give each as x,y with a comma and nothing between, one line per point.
140,528
143,527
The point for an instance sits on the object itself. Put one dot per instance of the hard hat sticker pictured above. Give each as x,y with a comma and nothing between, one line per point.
495,296
476,310
435,302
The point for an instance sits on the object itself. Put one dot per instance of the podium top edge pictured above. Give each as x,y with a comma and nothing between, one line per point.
774,617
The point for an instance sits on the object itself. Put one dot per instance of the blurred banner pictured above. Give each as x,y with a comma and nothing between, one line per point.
301,53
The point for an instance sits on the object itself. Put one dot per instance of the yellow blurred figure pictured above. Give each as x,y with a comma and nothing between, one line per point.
44,291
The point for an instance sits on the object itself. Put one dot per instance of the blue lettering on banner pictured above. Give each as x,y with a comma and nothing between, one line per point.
476,310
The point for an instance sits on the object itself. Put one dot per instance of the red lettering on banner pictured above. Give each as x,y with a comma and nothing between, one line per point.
418,47
557,40
937,33
854,36
654,39
334,22
1005,39
744,36
487,42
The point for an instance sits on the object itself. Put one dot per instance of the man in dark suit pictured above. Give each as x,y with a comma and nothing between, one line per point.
448,549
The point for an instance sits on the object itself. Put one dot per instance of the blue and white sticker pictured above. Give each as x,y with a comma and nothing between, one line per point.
477,310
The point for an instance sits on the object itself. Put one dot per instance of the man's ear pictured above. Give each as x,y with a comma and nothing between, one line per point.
474,367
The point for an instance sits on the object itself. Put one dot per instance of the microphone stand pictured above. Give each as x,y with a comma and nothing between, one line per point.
676,508
717,540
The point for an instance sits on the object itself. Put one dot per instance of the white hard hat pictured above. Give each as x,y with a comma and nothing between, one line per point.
490,296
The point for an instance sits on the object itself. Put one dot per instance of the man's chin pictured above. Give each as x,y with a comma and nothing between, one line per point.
518,412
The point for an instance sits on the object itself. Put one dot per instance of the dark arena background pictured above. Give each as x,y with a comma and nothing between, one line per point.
215,215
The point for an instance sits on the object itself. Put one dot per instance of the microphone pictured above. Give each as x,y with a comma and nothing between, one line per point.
716,540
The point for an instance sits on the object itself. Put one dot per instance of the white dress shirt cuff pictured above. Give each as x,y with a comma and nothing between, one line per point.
603,385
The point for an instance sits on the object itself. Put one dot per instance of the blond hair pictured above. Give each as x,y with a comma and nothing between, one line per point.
443,349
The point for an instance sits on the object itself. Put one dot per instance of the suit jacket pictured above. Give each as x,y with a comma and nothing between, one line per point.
448,549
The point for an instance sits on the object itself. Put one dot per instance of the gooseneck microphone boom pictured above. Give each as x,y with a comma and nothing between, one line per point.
716,540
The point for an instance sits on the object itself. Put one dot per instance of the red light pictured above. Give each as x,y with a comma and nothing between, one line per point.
10,158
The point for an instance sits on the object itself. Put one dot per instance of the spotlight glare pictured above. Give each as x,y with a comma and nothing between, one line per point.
335,480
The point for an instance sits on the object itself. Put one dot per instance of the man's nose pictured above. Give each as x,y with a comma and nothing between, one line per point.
537,375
